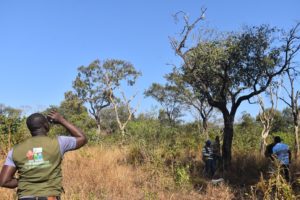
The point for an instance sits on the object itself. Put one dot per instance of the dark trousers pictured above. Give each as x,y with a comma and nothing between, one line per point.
285,170
216,162
209,167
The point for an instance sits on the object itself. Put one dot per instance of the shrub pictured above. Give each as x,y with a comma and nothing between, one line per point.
181,175
276,187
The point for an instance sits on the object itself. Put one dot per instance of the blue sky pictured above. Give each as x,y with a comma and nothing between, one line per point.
44,42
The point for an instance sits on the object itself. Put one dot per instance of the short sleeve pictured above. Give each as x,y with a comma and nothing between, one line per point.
9,160
66,143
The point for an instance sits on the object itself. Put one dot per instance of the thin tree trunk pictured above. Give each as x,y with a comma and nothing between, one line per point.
296,130
263,144
98,122
263,140
199,127
122,132
205,128
98,128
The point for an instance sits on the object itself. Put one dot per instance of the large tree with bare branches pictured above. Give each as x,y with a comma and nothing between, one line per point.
232,69
96,83
292,102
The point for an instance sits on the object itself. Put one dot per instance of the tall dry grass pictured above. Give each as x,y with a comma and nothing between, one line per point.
103,173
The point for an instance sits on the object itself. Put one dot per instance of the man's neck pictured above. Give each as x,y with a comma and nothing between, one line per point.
40,132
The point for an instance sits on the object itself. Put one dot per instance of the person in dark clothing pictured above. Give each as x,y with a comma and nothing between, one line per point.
207,157
216,148
269,150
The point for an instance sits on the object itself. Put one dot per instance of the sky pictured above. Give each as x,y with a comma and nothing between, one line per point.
42,43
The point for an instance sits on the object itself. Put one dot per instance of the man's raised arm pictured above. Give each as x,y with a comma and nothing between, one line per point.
57,118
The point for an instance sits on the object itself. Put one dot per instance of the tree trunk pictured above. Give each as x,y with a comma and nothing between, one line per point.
227,140
205,128
263,142
199,127
98,125
122,132
98,122
98,129
296,129
262,146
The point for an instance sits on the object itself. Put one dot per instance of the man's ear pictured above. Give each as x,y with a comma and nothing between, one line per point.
46,126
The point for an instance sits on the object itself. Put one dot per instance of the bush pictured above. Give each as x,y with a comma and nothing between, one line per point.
181,175
275,187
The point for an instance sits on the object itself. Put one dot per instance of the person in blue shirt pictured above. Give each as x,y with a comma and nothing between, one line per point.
282,152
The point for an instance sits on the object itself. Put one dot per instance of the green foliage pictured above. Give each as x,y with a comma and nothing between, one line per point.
246,138
12,127
108,116
280,121
138,153
150,195
247,121
181,175
233,68
167,96
96,82
75,112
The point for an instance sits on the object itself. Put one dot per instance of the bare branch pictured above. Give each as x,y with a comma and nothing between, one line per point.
179,45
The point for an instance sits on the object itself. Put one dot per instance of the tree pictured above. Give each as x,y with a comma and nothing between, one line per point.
280,124
167,96
71,105
72,108
115,71
10,124
192,99
247,121
232,69
93,86
266,116
292,102
124,103
287,116
109,118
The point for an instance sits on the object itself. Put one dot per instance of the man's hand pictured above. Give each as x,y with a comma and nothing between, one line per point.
55,117
81,139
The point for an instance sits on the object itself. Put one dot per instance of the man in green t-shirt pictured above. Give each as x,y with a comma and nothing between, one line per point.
38,159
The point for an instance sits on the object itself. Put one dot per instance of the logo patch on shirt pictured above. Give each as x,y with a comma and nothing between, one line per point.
35,159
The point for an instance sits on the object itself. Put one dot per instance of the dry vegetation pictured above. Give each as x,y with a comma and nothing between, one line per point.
103,173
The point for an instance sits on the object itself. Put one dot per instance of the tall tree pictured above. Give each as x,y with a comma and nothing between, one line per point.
113,70
232,69
93,86
292,99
